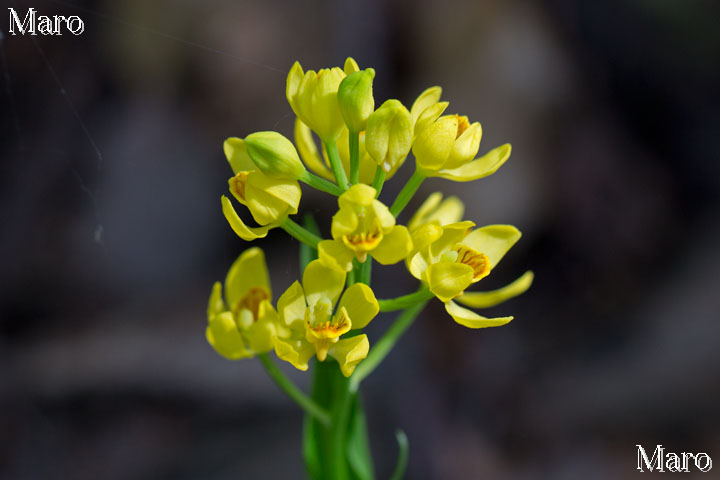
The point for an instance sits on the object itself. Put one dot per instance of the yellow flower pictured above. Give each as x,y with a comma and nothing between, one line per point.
437,211
313,97
389,135
309,312
270,199
450,258
244,322
445,145
321,166
362,226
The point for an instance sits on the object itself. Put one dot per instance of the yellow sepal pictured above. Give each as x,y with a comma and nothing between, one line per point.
349,352
493,240
470,319
496,297
222,333
335,254
322,282
437,211
297,351
248,271
478,168
242,230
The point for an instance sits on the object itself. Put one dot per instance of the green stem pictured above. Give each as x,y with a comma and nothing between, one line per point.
407,192
403,448
379,180
293,392
365,271
354,144
338,430
382,347
300,233
405,301
336,164
321,184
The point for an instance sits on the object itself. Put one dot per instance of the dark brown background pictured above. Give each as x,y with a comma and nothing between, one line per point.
111,239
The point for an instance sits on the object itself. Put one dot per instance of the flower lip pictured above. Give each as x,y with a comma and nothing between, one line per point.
478,261
363,241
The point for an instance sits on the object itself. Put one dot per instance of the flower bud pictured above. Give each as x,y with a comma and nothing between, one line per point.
388,136
274,155
355,99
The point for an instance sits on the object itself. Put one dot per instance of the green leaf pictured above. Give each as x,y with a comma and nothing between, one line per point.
402,460
358,445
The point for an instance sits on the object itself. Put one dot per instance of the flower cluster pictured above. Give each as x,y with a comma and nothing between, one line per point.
362,147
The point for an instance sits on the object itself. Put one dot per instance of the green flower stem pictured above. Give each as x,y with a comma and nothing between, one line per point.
336,164
300,233
405,301
407,193
354,144
320,183
352,277
379,180
338,430
293,392
382,347
365,271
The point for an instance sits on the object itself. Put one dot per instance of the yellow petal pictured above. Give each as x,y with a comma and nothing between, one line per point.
242,230
493,240
435,210
322,282
294,78
448,279
291,305
383,215
237,155
466,147
248,271
307,148
470,319
360,303
427,98
434,143
478,168
428,116
351,66
349,352
394,247
296,351
270,198
335,254
451,235
222,333
216,304
344,222
260,334
496,297
360,194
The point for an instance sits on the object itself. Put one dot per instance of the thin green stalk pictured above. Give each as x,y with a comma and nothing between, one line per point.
354,144
336,164
379,180
405,301
351,277
407,192
320,183
365,271
293,392
300,233
382,347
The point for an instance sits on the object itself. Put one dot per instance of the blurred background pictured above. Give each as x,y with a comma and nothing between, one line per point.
112,235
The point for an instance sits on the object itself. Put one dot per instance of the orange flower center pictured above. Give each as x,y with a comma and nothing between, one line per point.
479,262
463,124
252,300
237,184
